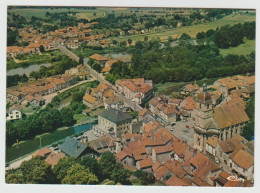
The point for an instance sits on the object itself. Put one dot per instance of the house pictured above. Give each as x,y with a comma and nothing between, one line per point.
114,102
99,92
73,147
165,109
248,91
222,179
35,100
243,165
99,58
168,113
188,105
143,113
113,122
203,168
175,181
13,50
174,101
211,145
189,89
137,90
162,173
145,165
226,85
162,154
89,100
13,94
44,153
54,158
126,157
14,113
176,168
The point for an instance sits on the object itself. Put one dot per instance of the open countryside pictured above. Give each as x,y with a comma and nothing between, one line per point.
130,96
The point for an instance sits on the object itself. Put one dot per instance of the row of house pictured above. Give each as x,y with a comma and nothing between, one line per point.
137,90
41,87
236,153
168,158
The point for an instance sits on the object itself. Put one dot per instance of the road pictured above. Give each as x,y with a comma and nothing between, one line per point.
48,98
17,164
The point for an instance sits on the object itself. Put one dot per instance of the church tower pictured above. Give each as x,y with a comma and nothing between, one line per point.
203,118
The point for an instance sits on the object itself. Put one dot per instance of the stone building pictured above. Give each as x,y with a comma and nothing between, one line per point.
113,122
223,122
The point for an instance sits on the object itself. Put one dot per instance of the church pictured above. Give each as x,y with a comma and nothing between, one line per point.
222,122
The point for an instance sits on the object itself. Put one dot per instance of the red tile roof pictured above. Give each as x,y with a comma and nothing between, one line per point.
145,163
175,181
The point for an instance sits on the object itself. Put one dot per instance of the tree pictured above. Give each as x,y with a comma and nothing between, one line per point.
170,39
248,130
77,96
114,42
97,67
122,44
119,174
201,35
129,41
67,116
37,171
78,174
60,170
93,166
185,36
41,48
107,163
14,179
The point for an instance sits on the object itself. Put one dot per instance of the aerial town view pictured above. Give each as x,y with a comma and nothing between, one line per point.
130,96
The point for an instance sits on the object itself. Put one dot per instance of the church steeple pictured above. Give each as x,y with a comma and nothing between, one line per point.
203,116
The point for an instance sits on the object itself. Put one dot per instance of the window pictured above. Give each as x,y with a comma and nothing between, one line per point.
207,106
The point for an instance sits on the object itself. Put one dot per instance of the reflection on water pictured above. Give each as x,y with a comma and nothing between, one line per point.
27,70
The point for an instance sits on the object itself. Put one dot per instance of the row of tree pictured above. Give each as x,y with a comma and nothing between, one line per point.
184,62
46,120
75,171
249,130
13,80
229,36
59,66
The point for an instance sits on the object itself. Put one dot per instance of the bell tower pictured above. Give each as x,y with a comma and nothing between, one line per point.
203,116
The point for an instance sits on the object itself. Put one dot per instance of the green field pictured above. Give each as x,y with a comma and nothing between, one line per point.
191,30
29,146
243,49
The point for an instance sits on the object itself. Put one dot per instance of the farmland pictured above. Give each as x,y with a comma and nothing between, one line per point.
192,30
243,49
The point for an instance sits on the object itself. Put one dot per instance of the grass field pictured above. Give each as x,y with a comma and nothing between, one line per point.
191,30
29,146
243,49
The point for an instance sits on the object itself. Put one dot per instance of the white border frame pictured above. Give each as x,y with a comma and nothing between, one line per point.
7,188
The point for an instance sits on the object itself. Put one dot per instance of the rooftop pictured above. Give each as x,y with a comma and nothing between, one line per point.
115,116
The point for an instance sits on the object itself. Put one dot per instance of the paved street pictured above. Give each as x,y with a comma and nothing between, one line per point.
48,98
17,164
180,130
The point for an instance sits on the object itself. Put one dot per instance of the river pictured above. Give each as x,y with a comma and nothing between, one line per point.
27,70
